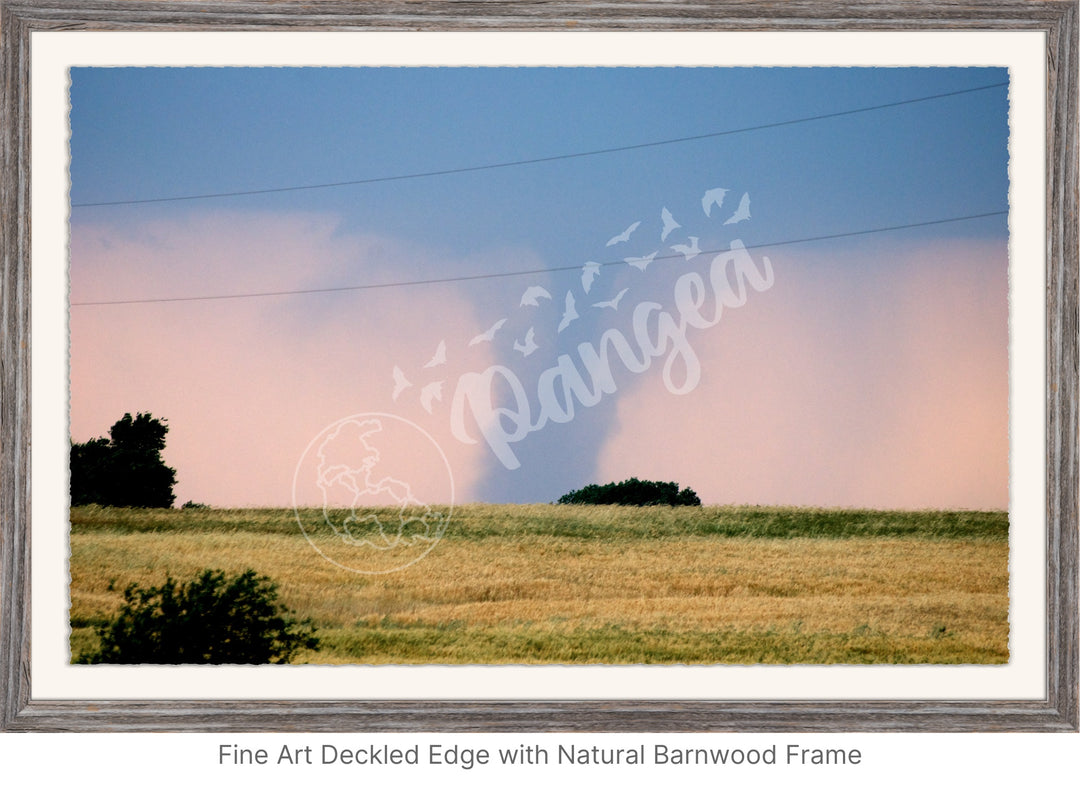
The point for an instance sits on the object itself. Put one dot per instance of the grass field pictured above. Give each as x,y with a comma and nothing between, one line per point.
597,584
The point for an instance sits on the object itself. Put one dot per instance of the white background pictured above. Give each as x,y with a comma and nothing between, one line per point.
887,759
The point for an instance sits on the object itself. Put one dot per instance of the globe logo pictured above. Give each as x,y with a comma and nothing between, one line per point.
373,493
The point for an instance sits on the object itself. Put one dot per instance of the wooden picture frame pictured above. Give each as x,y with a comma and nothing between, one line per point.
1058,711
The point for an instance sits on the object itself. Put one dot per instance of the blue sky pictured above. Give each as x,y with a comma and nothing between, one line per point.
152,133
149,132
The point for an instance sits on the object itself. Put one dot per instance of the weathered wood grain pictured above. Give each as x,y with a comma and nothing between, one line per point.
1059,712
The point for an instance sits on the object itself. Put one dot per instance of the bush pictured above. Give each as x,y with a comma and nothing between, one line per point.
210,620
633,492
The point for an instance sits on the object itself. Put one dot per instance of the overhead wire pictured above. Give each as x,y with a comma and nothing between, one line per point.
522,162
537,160
531,272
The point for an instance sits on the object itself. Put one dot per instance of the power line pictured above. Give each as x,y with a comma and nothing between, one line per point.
533,272
540,160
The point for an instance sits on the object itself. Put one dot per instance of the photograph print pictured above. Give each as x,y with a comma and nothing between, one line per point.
574,365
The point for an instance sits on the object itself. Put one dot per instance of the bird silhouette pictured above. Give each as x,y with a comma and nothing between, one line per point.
742,213
530,296
589,274
569,313
624,235
688,250
669,224
529,346
641,263
439,358
487,335
613,303
400,382
712,197
432,392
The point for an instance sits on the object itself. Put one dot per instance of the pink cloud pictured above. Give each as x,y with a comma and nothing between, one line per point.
876,377
245,384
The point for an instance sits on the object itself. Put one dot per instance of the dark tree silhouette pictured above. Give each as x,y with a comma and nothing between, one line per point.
125,470
91,472
633,492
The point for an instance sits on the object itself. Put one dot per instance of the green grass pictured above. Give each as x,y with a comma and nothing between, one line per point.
615,644
598,584
592,523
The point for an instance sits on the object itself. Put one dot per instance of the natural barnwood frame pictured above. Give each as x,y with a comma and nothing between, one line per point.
1058,712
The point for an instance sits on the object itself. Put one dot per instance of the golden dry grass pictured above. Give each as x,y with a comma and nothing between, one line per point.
490,593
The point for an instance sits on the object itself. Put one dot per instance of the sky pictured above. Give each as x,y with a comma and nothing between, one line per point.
798,292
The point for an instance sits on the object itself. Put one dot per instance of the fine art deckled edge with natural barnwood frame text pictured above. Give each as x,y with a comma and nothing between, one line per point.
1058,711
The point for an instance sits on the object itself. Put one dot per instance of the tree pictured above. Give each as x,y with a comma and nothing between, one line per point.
125,470
633,492
92,472
210,620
